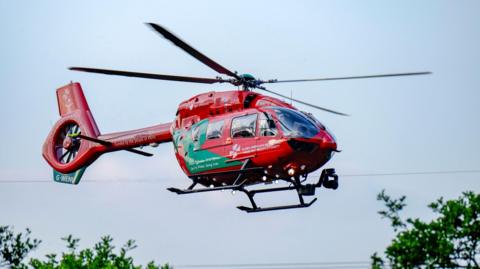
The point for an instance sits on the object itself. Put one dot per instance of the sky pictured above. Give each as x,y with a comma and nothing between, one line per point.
408,124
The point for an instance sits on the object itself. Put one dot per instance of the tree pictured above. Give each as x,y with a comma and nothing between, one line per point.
449,241
15,248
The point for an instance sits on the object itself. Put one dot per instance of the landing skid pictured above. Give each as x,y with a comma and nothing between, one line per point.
262,209
295,184
328,179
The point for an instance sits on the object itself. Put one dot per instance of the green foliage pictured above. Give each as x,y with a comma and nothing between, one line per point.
14,249
102,255
377,261
449,241
394,206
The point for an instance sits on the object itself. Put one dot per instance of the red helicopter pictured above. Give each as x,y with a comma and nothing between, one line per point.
227,140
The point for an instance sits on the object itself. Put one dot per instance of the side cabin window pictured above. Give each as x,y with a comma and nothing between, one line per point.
244,126
266,125
195,133
215,129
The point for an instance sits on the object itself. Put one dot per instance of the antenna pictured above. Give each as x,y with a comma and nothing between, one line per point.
291,97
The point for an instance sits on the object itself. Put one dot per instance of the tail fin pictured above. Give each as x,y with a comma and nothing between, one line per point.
75,141
68,155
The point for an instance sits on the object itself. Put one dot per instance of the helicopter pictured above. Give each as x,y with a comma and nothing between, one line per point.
234,140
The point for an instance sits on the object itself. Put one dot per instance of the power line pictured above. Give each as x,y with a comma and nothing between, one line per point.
359,266
414,173
306,265
386,174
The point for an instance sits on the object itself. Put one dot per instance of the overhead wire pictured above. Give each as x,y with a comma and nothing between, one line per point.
139,180
360,266
306,265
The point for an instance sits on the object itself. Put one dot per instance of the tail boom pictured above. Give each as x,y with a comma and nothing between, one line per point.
136,138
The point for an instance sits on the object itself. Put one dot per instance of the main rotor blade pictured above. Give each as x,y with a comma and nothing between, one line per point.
353,77
305,103
149,75
190,50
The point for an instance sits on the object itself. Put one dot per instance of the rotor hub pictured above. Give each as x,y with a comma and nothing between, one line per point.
67,143
248,81
247,77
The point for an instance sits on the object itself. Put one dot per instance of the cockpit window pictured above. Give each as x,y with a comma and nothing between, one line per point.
295,123
244,126
266,125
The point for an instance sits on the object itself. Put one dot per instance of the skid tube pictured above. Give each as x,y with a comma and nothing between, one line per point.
295,184
328,179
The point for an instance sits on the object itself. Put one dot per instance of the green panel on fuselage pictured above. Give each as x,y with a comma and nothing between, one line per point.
198,160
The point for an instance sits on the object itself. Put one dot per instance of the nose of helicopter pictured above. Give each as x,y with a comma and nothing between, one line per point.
327,141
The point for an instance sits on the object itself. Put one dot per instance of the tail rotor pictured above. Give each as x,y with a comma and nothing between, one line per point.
67,143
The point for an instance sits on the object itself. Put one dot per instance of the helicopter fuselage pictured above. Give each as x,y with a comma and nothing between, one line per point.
217,132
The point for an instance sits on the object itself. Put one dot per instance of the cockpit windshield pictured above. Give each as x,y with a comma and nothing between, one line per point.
312,118
295,123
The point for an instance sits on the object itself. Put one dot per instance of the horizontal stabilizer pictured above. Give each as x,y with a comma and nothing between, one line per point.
140,152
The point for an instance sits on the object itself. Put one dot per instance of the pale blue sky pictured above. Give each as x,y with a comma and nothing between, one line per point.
423,123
